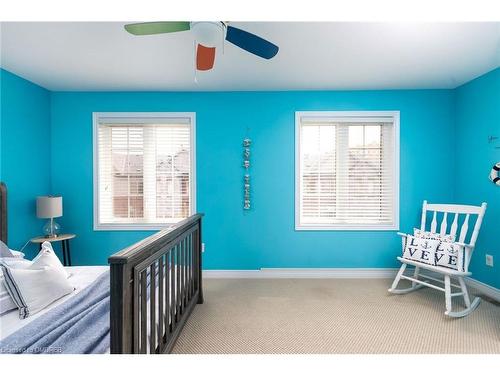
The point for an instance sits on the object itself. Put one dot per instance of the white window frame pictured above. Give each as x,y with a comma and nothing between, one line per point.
96,116
346,116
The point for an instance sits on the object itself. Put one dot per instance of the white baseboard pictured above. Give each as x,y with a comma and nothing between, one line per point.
487,290
303,273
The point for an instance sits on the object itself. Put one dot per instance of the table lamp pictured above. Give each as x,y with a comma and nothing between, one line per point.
49,207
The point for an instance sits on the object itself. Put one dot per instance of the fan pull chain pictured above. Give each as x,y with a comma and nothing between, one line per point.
194,64
222,41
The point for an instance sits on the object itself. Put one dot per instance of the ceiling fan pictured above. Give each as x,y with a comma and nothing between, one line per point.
208,35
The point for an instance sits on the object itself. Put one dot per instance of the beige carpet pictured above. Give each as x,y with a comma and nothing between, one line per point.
332,316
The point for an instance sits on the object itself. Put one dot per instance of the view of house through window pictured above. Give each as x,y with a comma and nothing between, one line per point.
347,171
145,170
128,172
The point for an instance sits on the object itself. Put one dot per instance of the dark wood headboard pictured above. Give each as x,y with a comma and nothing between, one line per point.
3,212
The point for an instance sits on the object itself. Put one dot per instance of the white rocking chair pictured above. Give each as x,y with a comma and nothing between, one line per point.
420,280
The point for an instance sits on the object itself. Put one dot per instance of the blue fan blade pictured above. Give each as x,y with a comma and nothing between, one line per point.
251,43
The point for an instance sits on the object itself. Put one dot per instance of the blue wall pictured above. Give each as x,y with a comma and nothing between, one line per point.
438,128
478,116
25,153
265,236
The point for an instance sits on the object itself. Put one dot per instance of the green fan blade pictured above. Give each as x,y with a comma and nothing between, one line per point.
148,28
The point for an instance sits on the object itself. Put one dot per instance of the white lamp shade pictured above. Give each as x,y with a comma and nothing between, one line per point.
48,207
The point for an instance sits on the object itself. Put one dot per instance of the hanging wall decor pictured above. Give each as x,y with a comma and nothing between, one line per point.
496,167
246,164
494,174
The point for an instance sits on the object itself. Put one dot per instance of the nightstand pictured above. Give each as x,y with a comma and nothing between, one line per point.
64,239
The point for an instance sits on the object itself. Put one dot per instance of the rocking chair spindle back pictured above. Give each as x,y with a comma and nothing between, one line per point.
463,214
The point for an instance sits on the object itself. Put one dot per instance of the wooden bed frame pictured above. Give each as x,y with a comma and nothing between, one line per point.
155,285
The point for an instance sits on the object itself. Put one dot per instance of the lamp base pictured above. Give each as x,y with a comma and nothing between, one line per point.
51,229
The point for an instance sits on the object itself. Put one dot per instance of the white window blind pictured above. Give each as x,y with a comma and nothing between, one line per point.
144,174
347,171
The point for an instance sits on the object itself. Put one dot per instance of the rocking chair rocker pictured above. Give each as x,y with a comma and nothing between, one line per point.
420,280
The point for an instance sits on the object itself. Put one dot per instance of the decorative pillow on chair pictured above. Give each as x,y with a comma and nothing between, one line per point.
420,249
450,255
433,236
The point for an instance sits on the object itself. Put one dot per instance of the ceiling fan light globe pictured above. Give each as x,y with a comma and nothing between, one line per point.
209,34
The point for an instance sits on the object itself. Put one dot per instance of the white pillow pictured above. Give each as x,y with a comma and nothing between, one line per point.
34,287
47,257
15,262
5,251
450,255
420,249
17,254
433,236
6,301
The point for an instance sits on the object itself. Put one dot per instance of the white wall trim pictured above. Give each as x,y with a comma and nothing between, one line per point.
487,290
303,273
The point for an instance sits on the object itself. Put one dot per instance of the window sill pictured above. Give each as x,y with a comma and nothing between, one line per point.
346,227
132,227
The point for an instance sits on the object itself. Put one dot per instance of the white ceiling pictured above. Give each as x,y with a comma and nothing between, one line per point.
337,56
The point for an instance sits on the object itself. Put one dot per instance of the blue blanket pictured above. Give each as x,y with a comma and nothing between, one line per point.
79,325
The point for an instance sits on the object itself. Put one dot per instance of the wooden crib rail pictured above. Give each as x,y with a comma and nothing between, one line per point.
155,285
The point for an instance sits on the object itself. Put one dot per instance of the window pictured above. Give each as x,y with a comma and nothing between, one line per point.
347,171
144,169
